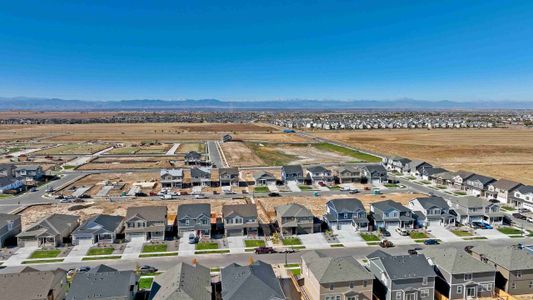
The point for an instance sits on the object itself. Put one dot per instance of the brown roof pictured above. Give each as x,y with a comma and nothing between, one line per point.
30,283
243,210
150,213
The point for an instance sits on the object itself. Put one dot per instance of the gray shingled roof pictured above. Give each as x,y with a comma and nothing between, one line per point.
317,169
293,210
510,257
346,205
256,281
375,169
200,172
403,266
29,283
99,223
471,201
456,261
172,172
432,171
151,213
388,205
53,224
289,169
183,281
228,171
260,174
243,210
483,179
428,202
504,184
526,189
464,174
193,210
102,283
5,218
328,269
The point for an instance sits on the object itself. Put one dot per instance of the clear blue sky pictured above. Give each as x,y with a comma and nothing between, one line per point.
256,50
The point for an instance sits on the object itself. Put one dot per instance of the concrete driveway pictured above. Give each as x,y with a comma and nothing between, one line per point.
441,233
272,187
19,256
185,248
314,241
134,247
491,234
396,238
78,252
236,244
293,186
349,237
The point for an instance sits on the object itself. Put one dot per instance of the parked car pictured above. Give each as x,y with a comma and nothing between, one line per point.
33,189
84,269
274,194
529,219
65,200
431,242
147,269
412,252
264,250
193,239
345,189
384,232
402,231
386,244
519,216
288,250
200,196
354,191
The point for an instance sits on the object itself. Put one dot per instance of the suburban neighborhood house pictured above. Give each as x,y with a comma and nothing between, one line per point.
374,174
523,197
434,210
461,276
292,173
171,178
514,267
389,214
50,231
29,174
146,223
264,178
294,219
10,226
319,175
240,219
460,178
182,281
346,213
402,277
332,278
348,174
201,176
228,176
477,185
98,229
502,190
8,180
33,284
416,168
194,218
474,209
255,281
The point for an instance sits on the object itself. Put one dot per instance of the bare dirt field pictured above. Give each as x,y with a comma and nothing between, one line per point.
500,153
188,147
166,132
131,164
122,181
239,155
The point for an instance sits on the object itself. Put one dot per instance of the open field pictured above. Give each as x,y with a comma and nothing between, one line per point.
122,182
85,148
144,162
239,155
187,147
282,154
501,153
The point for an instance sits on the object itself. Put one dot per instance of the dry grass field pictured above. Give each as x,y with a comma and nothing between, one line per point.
500,153
138,162
84,148
239,155
187,147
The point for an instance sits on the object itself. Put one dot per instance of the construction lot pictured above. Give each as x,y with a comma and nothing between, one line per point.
500,153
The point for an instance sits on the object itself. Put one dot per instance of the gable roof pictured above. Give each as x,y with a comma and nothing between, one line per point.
372,169
99,223
464,174
471,201
183,281
526,189
256,281
194,210
431,171
506,185
102,283
243,210
289,169
150,213
388,205
510,257
200,172
293,210
171,172
260,174
6,218
53,225
228,171
346,205
317,169
403,266
445,175
456,261
328,269
30,283
483,179
429,202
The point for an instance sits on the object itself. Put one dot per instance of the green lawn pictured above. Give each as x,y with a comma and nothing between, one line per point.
291,241
215,269
296,272
391,185
100,251
154,248
507,208
509,230
42,261
459,232
460,193
418,235
261,189
336,245
145,283
292,265
369,237
254,243
348,152
206,246
305,187
5,196
158,254
102,257
45,253
213,251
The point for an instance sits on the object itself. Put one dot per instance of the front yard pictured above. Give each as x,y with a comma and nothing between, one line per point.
369,237
254,243
206,246
459,232
45,253
261,189
100,251
418,235
154,248
291,241
145,283
509,230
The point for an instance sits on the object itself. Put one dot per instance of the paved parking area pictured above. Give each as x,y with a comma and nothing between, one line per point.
443,234
133,248
236,244
293,186
314,241
491,234
19,256
185,248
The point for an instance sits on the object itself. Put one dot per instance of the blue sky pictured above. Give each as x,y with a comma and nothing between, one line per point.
260,50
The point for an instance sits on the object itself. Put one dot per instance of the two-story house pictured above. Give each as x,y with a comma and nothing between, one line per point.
459,180
374,174
402,277
431,173
50,231
194,158
502,190
194,218
171,178
416,168
30,283
8,180
347,174
201,176
389,214
30,175
294,219
146,222
292,173
228,176
397,163
103,282
332,278
10,226
346,213
514,266
445,179
240,219
523,197
459,275
477,185
319,174
435,210
255,281
474,209
183,281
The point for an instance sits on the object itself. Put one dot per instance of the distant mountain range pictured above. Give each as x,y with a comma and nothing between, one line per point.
54,104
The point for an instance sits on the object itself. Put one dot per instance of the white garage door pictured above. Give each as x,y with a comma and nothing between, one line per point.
85,242
376,181
33,243
138,238
346,227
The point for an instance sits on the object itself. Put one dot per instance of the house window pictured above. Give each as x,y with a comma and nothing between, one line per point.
513,286
398,295
531,284
352,285
365,283
424,281
331,287
187,222
468,276
204,221
518,274
353,298
424,293
460,289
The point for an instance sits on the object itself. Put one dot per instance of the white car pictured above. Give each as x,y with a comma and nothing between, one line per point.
530,219
402,231
200,196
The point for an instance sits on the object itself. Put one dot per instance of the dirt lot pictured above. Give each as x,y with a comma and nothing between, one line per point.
85,148
187,147
239,155
501,153
317,205
166,132
151,163
123,182
34,214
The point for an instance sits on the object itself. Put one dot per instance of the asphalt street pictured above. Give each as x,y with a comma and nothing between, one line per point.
214,154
